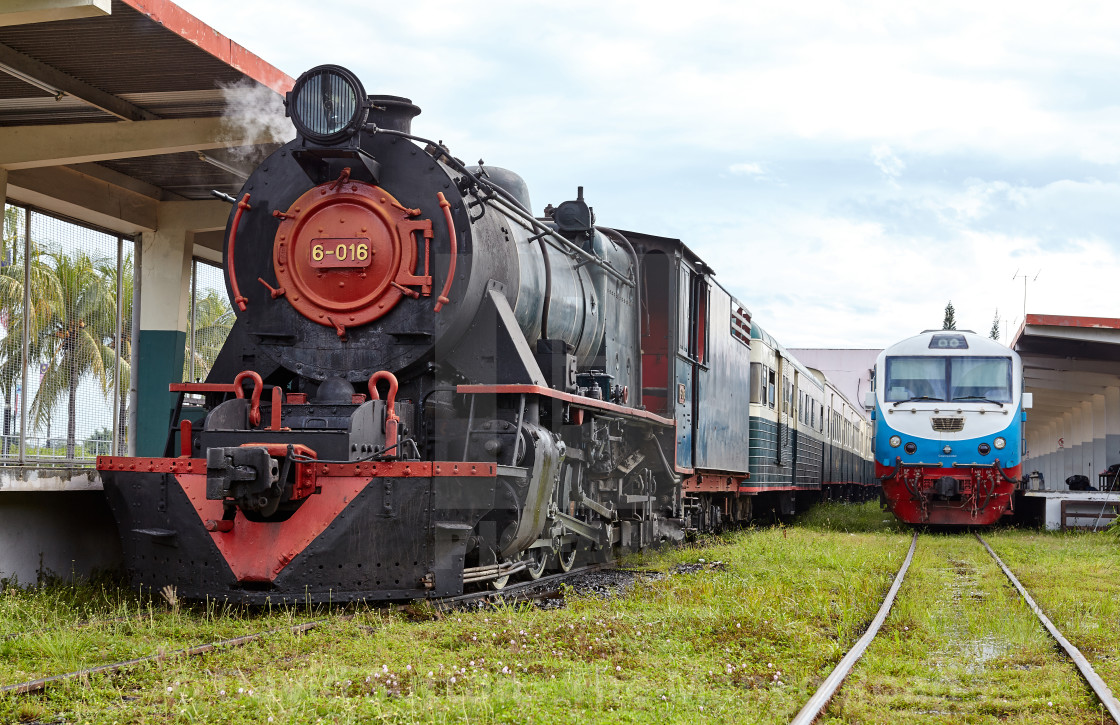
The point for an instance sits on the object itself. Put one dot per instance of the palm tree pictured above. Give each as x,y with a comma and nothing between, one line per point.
72,342
123,372
212,320
45,295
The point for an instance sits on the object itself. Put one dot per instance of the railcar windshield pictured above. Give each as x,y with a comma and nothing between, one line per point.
929,377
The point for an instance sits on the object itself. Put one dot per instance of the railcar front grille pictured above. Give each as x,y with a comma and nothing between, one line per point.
947,425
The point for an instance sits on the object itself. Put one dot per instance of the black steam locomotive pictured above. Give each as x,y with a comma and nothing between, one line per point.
429,388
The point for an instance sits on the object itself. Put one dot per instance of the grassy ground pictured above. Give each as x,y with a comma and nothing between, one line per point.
961,646
744,638
60,628
1074,578
746,634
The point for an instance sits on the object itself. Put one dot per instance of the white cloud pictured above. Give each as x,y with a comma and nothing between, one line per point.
746,169
991,129
887,161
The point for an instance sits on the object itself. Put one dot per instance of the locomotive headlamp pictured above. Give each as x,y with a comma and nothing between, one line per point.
984,449
327,104
895,441
999,443
911,447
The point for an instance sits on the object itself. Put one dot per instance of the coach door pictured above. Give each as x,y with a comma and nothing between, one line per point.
692,342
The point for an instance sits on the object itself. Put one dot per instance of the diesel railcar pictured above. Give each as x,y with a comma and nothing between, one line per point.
949,411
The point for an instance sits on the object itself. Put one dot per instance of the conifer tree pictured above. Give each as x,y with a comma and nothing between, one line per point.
950,322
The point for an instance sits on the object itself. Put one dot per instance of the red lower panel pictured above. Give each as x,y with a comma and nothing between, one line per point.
256,551
985,495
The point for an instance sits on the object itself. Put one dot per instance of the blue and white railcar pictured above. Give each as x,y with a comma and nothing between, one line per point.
948,427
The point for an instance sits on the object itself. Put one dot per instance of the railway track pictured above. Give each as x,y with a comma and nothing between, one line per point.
23,688
542,588
816,705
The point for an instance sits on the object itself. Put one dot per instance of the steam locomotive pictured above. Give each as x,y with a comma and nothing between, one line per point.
429,388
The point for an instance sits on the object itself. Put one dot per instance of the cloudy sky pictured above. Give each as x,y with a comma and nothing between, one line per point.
846,168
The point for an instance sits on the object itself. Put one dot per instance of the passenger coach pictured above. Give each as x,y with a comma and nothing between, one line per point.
805,437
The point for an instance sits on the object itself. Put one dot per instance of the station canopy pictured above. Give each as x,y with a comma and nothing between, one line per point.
1067,360
109,107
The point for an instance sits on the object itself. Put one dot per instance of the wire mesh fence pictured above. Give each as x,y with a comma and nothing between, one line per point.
211,318
65,339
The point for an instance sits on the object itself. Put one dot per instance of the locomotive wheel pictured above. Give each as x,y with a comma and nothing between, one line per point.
500,583
538,561
566,559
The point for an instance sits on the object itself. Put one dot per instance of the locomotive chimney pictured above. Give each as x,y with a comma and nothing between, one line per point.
392,112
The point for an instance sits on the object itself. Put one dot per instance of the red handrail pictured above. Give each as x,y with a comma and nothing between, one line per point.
238,299
258,386
392,421
446,206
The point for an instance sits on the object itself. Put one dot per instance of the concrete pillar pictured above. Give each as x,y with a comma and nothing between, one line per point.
1093,456
1112,425
1047,437
165,276
1055,461
4,184
164,298
1074,462
1065,436
1099,447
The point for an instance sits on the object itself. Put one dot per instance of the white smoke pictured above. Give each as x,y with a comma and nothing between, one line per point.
254,115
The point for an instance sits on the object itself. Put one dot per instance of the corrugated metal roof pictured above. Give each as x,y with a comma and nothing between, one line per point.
154,56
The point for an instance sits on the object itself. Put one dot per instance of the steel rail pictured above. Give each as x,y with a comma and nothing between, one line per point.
515,592
23,688
1103,693
820,699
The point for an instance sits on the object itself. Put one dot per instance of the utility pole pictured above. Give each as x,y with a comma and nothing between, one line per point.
1025,276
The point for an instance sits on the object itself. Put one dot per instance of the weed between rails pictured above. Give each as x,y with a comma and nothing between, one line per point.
961,646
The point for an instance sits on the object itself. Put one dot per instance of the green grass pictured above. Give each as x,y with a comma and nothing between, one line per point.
851,518
747,638
744,640
1073,577
961,646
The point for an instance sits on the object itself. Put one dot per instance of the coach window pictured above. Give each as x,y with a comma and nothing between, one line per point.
758,388
698,318
771,388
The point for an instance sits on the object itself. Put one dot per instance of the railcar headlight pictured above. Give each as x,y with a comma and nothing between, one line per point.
911,447
984,449
895,441
327,104
999,443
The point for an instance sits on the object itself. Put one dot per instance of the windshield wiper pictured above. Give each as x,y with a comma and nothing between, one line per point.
978,397
917,397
